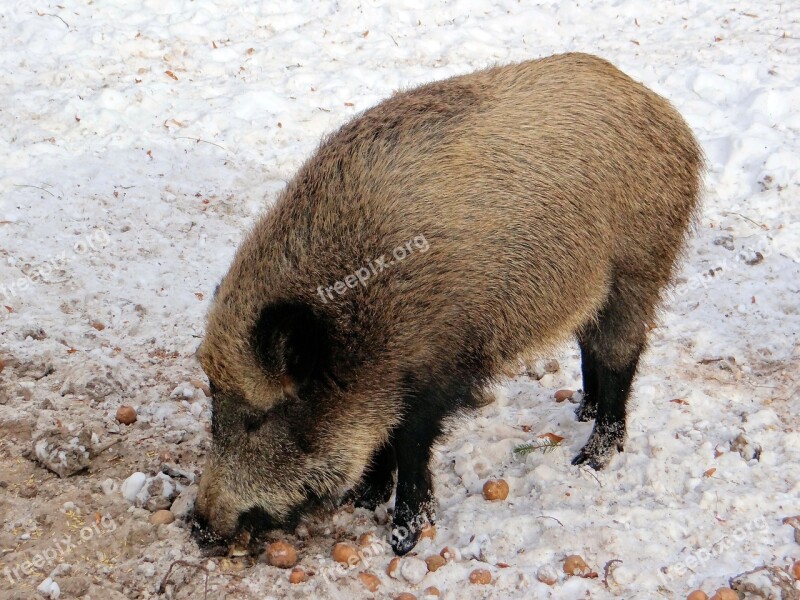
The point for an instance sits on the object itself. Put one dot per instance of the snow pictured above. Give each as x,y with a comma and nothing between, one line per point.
49,589
132,486
141,139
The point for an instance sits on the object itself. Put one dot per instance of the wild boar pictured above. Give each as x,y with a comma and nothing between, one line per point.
427,244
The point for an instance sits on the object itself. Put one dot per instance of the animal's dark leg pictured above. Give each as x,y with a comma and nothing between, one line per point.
426,406
377,484
611,349
609,426
414,501
589,368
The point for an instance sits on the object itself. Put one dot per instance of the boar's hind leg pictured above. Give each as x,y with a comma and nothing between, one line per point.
610,348
377,484
589,367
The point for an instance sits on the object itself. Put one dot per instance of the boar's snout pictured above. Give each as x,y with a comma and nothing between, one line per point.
222,512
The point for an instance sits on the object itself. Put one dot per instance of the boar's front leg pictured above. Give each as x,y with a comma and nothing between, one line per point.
414,501
377,484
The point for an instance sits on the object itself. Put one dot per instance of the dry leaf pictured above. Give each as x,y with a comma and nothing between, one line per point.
171,74
710,472
552,437
680,401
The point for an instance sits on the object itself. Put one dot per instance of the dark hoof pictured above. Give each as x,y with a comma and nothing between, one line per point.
589,459
404,539
407,526
601,447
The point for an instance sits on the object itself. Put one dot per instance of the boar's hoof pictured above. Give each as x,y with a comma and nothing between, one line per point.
407,526
404,538
600,448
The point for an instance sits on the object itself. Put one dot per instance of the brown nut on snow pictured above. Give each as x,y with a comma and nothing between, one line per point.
346,554
480,577
428,531
298,575
281,555
370,580
495,489
126,415
697,595
725,594
450,554
162,517
435,562
393,568
562,395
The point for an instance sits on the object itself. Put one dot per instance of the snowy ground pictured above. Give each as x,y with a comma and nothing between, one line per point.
116,223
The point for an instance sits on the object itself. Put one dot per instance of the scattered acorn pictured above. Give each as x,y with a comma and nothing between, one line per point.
435,562
697,595
480,577
428,531
366,539
495,489
394,567
162,517
281,555
405,596
126,415
562,395
450,554
370,580
345,553
796,570
725,594
575,565
298,575
432,591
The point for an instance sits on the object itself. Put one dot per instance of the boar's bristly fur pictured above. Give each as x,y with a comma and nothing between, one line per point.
534,202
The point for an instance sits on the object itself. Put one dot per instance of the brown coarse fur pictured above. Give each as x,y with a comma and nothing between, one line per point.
553,196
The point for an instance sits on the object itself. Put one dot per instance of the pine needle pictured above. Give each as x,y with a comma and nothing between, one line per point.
544,446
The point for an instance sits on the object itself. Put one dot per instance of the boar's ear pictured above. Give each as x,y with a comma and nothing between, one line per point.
292,343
